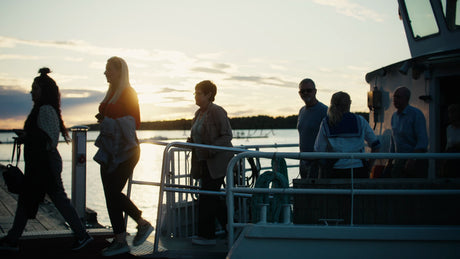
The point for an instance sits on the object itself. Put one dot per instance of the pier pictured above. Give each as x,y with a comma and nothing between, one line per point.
49,235
48,218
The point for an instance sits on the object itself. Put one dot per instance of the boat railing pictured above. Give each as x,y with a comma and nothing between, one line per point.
177,210
232,189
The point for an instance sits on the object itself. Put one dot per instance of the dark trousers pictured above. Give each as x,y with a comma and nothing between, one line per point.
58,197
399,170
211,207
309,168
117,202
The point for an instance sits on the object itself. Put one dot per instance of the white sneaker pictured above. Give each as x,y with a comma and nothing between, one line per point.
203,241
142,234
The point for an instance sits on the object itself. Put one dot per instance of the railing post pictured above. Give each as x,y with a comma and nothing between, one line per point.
352,196
230,202
286,213
79,170
263,213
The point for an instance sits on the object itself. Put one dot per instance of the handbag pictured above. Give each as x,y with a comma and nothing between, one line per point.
12,175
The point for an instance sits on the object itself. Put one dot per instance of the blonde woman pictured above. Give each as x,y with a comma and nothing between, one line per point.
342,131
119,116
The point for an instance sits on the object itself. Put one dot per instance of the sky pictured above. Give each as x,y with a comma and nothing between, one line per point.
255,51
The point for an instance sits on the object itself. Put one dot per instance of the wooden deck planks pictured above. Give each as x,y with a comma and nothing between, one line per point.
48,217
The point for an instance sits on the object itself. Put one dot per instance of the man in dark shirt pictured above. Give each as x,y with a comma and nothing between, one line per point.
309,120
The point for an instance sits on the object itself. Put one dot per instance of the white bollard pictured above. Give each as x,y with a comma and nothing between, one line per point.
263,213
79,170
286,213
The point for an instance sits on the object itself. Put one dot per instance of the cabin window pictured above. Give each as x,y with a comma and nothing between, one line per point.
451,9
421,18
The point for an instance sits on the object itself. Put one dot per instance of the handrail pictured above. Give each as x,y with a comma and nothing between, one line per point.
165,168
231,190
243,152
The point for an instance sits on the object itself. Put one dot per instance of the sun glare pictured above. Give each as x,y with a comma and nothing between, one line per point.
146,98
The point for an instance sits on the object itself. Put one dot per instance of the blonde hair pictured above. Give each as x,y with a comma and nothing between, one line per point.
340,104
117,88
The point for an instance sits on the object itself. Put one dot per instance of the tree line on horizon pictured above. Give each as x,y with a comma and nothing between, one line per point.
251,122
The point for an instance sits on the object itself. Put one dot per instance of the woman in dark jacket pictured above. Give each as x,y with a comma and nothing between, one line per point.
43,164
210,126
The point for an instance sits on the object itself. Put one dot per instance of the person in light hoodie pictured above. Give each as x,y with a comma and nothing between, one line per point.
118,154
345,132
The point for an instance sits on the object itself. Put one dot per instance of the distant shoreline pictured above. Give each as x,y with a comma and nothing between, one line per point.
253,122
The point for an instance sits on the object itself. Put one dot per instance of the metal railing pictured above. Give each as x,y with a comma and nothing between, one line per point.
176,182
180,189
232,190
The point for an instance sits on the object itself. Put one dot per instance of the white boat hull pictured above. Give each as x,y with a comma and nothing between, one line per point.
294,241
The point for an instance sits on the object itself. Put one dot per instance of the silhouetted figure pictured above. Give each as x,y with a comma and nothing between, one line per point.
345,132
409,135
309,120
119,153
43,164
210,126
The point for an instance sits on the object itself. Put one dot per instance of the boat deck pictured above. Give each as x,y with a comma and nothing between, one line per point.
183,248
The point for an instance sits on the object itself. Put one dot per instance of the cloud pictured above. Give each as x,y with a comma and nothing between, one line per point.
207,70
18,57
176,99
64,78
9,42
75,97
167,56
214,68
14,103
354,10
275,81
221,65
166,90
9,82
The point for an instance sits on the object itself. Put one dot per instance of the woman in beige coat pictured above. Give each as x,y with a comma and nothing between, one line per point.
210,126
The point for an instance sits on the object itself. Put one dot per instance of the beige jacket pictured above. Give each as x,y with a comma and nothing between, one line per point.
217,131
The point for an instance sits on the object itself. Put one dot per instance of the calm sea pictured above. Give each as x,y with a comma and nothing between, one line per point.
148,168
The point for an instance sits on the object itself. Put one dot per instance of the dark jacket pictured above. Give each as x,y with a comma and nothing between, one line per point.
42,166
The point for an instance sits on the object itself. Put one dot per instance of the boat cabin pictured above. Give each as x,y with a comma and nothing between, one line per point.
432,73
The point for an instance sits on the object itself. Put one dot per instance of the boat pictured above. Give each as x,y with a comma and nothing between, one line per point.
330,218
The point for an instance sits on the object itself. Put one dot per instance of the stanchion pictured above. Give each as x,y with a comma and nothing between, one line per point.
79,170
